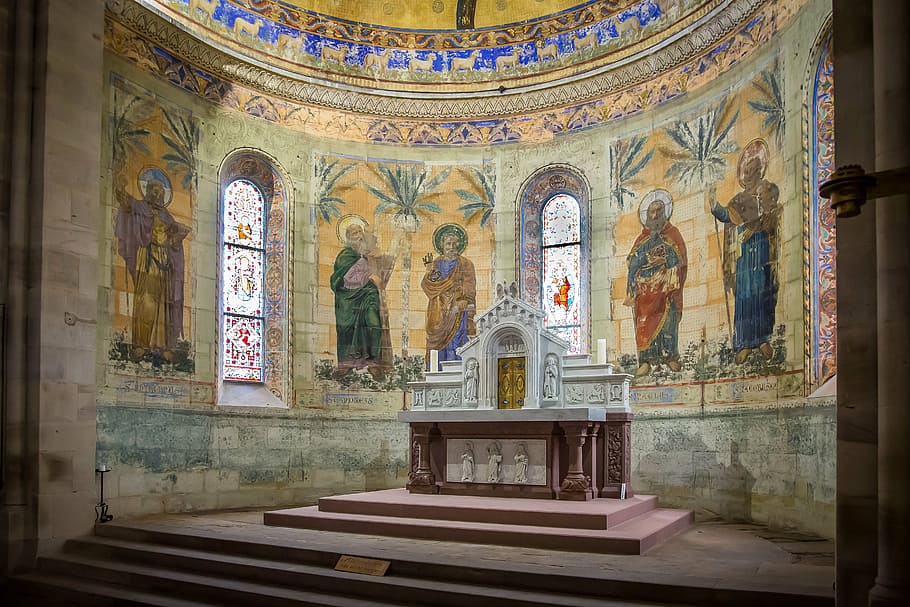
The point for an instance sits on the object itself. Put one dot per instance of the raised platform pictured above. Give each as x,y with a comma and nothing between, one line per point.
606,526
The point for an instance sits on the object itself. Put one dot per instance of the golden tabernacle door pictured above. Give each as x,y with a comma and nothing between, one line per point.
511,380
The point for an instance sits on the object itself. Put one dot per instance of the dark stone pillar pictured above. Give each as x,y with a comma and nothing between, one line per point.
854,124
891,22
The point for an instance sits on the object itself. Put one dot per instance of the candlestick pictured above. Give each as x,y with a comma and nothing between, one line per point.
434,360
601,351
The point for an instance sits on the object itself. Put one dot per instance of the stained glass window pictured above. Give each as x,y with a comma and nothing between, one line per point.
242,272
560,221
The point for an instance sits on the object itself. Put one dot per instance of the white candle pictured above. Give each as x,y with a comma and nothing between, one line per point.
601,351
434,360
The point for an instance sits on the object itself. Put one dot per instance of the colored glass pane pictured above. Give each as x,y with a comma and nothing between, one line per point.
243,214
561,279
242,348
561,220
242,281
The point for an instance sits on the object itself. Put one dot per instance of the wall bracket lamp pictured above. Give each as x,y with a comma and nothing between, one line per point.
850,186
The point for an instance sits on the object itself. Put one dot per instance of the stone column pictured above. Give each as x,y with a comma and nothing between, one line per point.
891,22
421,478
856,315
576,485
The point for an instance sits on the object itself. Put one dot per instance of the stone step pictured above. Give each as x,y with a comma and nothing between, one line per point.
49,590
695,587
110,560
634,536
595,514
216,590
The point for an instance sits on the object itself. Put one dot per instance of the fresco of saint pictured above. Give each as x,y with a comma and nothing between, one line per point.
451,287
658,265
150,241
359,278
750,253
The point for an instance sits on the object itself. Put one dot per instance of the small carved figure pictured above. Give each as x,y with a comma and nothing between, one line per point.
435,398
415,455
467,463
471,380
597,393
494,450
574,394
551,378
521,464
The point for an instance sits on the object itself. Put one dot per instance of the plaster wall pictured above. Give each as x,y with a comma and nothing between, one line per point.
761,453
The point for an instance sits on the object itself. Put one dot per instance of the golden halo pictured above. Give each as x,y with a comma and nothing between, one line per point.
153,173
346,221
450,228
661,195
757,148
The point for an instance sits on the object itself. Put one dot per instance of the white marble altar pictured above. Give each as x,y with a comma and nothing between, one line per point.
466,428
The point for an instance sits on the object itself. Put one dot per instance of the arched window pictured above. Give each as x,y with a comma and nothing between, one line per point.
554,253
242,276
254,285
560,222
819,238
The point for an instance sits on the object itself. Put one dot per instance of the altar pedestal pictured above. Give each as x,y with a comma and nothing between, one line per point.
577,453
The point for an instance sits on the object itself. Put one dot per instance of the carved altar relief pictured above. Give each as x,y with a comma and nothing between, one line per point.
515,462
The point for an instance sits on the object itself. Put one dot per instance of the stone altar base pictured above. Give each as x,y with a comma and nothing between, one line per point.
606,526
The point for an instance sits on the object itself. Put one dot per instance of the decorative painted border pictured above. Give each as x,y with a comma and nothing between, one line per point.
323,112
819,229
545,183
752,21
423,60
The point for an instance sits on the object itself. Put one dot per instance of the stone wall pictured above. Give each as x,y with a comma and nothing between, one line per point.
732,440
771,466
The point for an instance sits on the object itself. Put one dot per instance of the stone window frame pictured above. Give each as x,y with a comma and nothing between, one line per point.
538,189
273,182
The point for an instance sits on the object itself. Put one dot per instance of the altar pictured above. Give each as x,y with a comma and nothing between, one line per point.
519,417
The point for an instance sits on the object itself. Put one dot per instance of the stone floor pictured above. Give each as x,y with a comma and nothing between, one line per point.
708,555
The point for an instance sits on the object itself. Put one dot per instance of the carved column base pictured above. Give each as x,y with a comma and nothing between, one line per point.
576,488
422,482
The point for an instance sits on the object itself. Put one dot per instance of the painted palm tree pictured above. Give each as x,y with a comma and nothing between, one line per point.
408,196
770,103
328,174
626,161
480,201
699,161
126,134
183,141
702,144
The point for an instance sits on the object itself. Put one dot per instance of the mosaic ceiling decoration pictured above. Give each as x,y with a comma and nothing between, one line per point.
444,47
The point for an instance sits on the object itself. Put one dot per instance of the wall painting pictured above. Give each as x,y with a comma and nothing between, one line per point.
153,172
405,252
